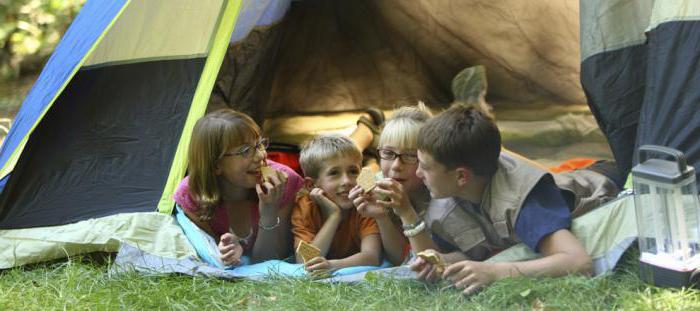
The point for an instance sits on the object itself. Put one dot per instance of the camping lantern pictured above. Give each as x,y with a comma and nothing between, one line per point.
668,220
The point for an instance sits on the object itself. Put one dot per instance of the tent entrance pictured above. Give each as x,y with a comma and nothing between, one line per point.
92,155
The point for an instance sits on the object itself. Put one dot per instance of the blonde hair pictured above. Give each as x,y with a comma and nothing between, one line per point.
322,148
214,135
402,129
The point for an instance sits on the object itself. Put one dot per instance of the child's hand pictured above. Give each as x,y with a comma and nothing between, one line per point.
392,196
230,249
471,275
366,203
270,192
318,263
327,206
426,271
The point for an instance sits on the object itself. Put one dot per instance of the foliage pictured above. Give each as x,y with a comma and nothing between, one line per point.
29,31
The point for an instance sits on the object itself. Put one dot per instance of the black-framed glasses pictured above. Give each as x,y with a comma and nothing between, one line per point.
406,158
248,150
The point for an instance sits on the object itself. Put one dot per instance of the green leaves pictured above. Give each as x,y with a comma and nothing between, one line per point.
29,31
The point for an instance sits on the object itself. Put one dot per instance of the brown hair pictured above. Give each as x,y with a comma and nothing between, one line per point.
463,135
213,135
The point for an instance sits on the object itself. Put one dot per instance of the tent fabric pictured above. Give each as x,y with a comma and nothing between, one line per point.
243,80
146,31
93,20
639,66
153,232
131,258
91,155
227,20
109,137
208,254
349,55
86,160
255,14
205,245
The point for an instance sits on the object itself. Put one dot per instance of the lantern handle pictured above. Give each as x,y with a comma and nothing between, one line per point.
678,156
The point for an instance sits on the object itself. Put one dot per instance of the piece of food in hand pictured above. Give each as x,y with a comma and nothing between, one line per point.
267,172
307,251
366,179
433,258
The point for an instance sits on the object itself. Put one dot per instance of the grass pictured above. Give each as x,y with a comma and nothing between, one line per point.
81,283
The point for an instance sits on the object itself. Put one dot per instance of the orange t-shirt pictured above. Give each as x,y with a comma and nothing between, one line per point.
307,222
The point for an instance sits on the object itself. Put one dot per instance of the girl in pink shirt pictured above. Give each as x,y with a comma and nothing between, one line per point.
226,195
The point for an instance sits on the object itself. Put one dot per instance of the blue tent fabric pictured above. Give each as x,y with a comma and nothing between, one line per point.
87,27
131,258
208,252
258,13
203,244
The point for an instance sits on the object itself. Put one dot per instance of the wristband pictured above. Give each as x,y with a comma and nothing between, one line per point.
268,228
412,226
419,227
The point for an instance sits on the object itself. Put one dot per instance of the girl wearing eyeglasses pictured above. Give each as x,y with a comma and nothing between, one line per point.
225,194
400,197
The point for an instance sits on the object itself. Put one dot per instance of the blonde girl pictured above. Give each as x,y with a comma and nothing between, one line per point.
400,190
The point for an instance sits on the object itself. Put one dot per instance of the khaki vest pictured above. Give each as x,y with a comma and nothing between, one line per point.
492,226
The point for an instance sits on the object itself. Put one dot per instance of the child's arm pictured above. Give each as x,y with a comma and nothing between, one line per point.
563,254
369,255
332,218
273,237
392,238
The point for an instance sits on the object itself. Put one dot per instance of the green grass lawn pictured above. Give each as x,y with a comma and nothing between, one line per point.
85,284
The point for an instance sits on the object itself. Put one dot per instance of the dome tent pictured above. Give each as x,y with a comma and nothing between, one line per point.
99,143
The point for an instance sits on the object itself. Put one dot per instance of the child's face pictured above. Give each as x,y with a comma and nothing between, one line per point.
441,182
397,168
242,169
337,177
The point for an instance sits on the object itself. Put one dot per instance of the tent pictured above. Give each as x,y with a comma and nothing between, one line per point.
640,62
99,143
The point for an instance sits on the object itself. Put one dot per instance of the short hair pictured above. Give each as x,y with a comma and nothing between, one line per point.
213,135
401,130
323,148
463,135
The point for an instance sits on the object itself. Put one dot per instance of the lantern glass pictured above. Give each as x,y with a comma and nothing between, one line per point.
668,223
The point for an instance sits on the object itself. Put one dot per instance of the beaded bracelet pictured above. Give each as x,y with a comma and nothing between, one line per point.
420,227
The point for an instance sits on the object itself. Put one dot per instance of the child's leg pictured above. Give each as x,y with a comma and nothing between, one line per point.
366,136
362,136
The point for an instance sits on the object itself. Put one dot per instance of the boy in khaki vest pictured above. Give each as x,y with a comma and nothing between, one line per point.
485,199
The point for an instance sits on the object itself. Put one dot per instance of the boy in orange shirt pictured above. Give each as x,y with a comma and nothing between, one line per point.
325,216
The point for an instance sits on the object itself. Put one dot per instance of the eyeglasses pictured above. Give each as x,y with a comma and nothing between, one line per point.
248,150
406,158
